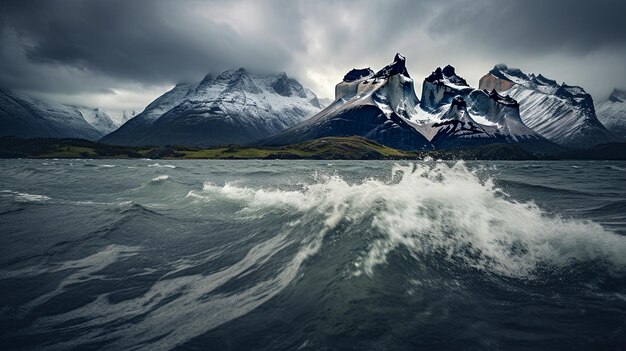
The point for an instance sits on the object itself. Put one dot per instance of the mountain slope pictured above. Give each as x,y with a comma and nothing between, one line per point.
612,113
135,128
98,119
367,104
234,107
561,113
27,117
453,114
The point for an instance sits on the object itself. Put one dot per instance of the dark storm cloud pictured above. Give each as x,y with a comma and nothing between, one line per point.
71,46
147,41
538,26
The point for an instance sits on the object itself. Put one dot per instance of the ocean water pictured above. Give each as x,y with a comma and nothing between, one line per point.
312,255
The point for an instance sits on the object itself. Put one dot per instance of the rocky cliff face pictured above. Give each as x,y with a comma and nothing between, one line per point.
562,113
441,87
484,116
372,105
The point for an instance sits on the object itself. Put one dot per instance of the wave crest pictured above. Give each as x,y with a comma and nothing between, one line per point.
436,208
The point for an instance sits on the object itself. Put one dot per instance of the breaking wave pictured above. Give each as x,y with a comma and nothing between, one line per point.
440,209
265,239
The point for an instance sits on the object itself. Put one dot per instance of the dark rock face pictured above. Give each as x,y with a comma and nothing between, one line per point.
365,120
398,66
439,76
435,77
285,86
457,129
440,87
368,106
448,71
504,100
357,74
541,80
459,103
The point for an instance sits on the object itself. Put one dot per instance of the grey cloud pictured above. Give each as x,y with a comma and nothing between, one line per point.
71,46
538,26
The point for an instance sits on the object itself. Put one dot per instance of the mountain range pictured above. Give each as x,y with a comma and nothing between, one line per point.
562,113
28,117
383,106
242,107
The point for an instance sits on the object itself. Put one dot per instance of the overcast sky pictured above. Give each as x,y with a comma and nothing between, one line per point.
119,54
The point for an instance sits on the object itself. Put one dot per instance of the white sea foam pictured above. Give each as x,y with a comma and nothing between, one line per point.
443,209
158,165
25,197
160,178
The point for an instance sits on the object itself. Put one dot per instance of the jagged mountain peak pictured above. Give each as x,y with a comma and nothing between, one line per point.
570,91
448,71
398,66
446,76
440,87
235,106
542,80
237,80
458,103
501,70
457,109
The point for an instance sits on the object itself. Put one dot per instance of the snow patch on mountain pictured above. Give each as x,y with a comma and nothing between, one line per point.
98,119
28,117
612,113
562,113
375,105
235,106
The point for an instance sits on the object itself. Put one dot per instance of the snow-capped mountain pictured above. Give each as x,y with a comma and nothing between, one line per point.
28,117
562,113
612,112
453,114
383,107
455,128
233,107
372,105
98,119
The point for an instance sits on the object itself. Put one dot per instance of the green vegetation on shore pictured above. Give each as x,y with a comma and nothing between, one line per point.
350,148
